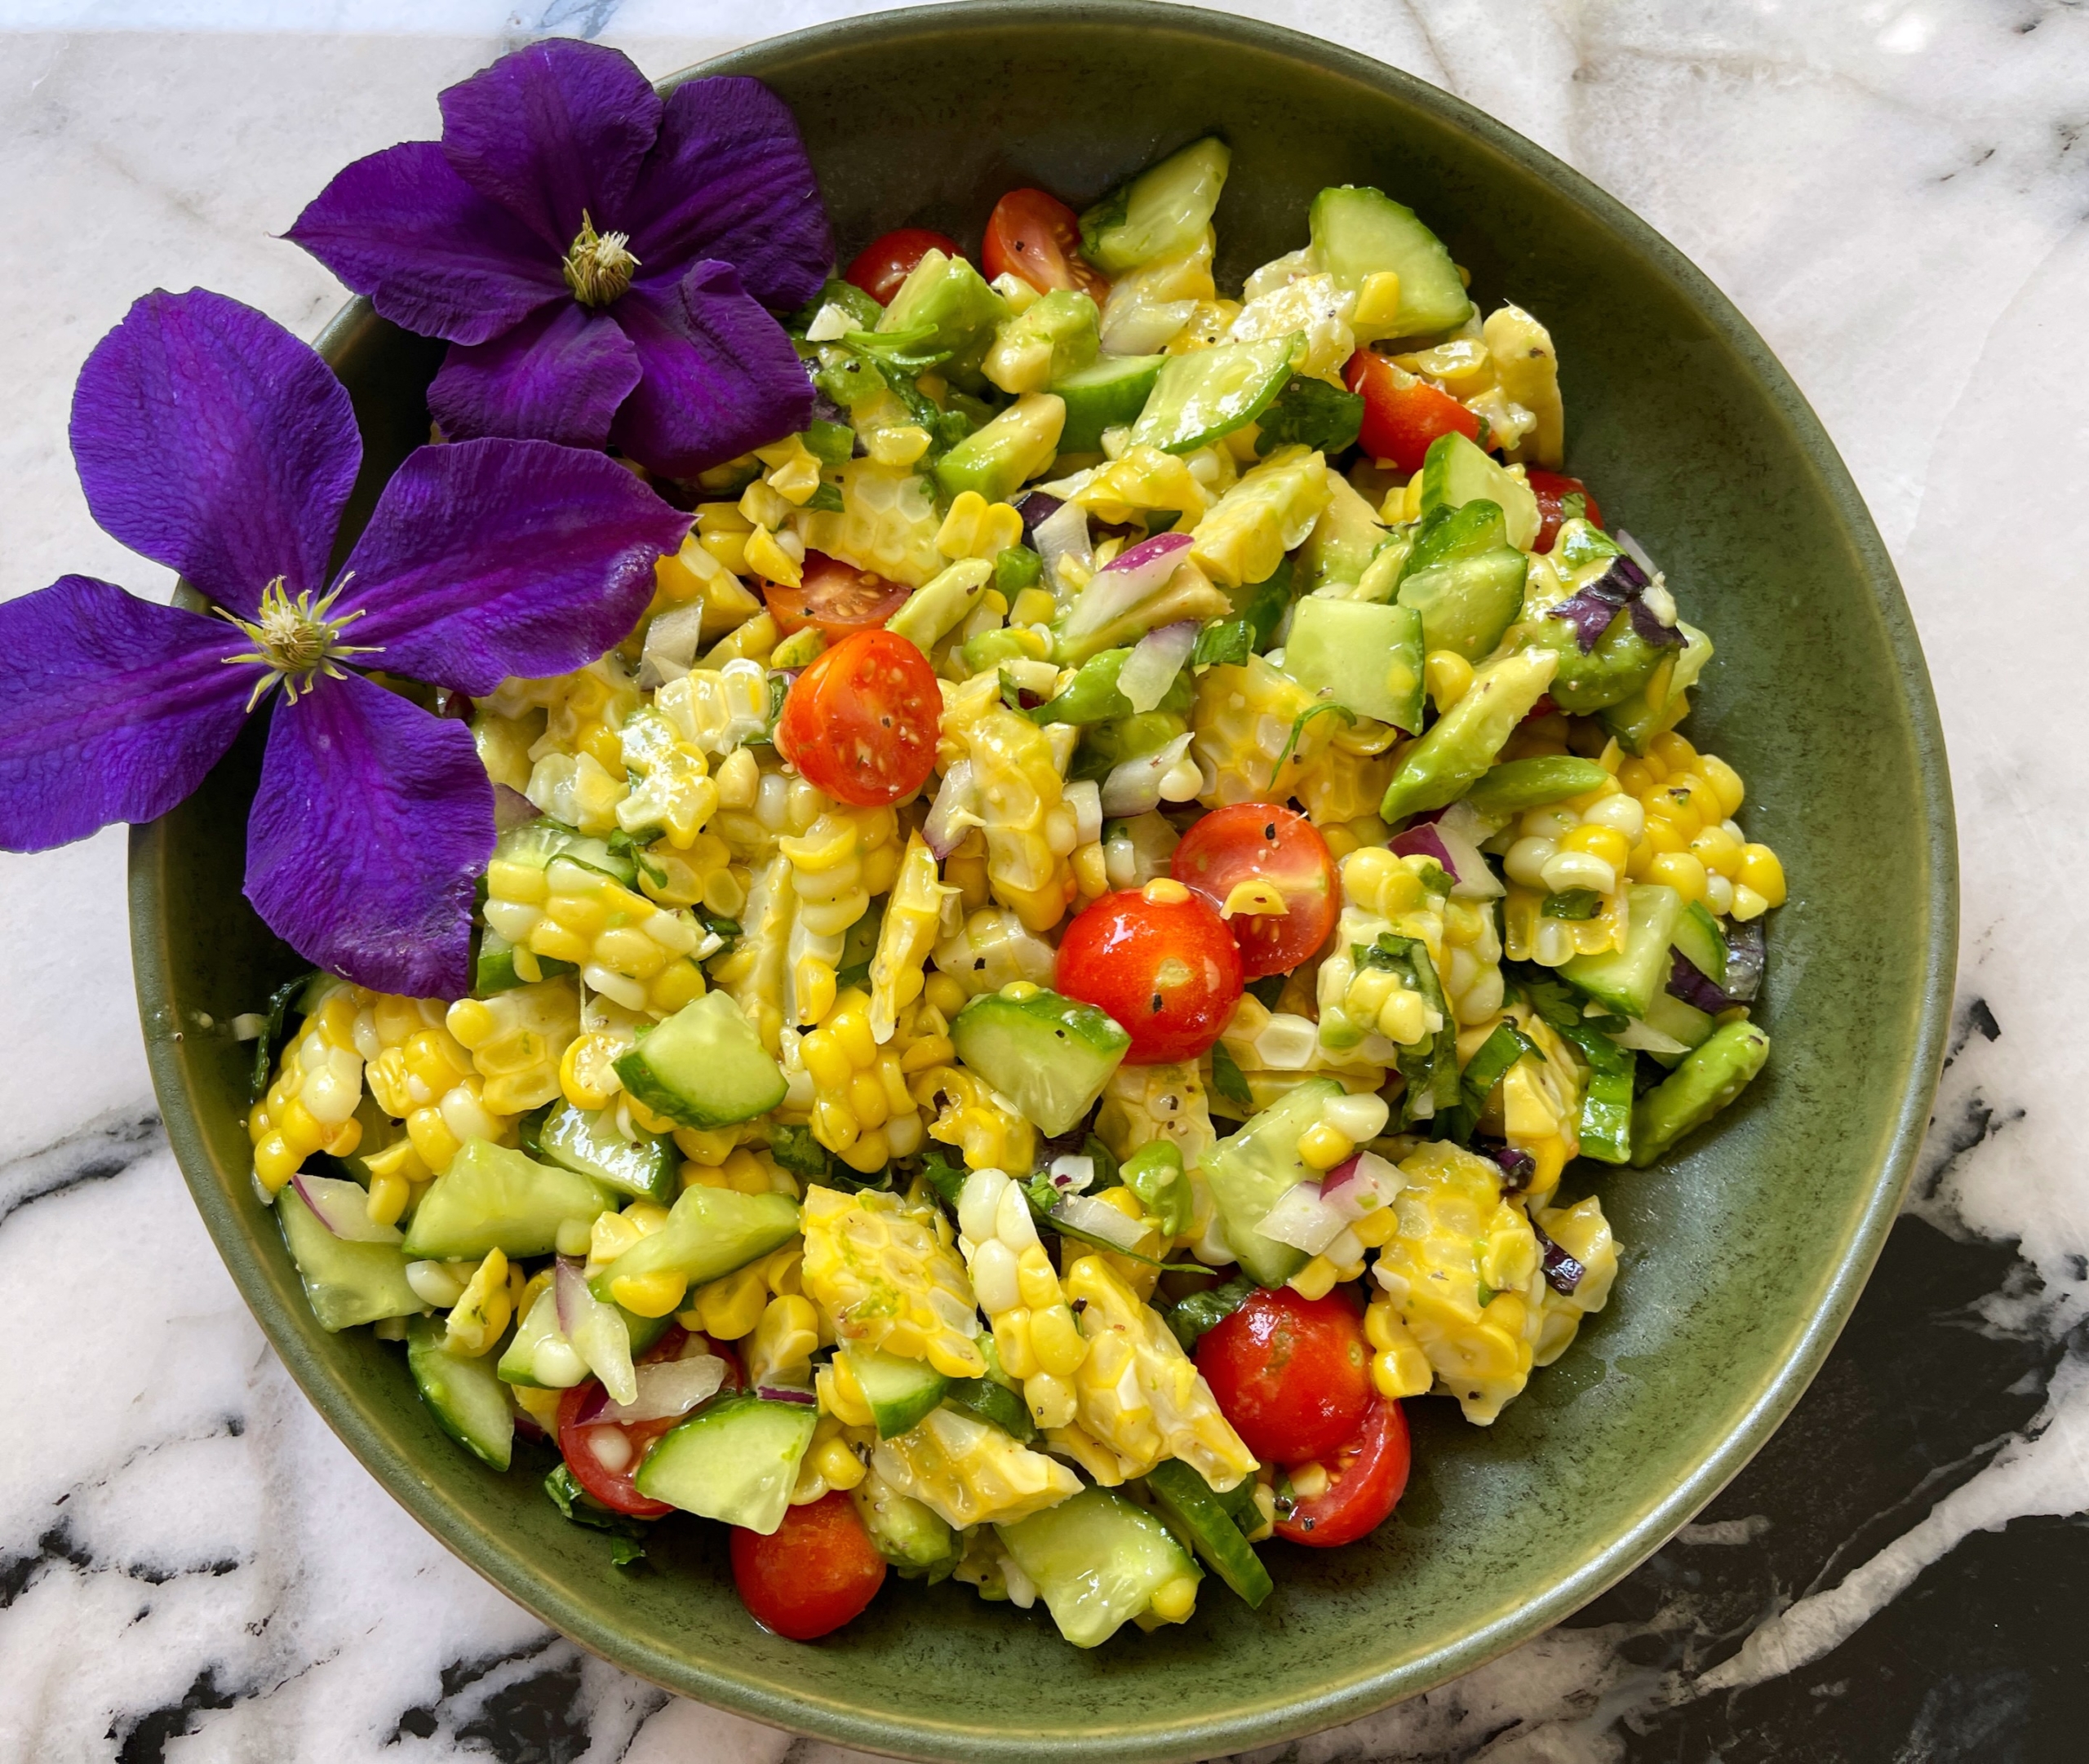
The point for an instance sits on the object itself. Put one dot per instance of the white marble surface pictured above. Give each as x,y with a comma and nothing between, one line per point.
191,1567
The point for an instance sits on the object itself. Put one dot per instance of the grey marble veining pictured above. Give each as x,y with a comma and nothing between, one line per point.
191,1567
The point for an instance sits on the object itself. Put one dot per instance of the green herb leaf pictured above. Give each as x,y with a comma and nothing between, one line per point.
272,1031
1572,903
1227,1080
1223,640
1573,506
948,1180
1298,729
1310,413
826,500
1191,1316
1267,990
580,1508
796,1149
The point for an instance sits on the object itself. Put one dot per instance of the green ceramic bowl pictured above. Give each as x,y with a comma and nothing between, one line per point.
1744,1254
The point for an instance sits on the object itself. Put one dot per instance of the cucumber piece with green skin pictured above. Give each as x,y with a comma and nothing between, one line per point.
535,843
900,1392
710,1232
1108,394
1456,470
1606,1125
1466,603
586,1142
1360,653
492,1197
1199,397
1251,1171
464,1392
1672,1017
1709,1078
1459,750
1049,1053
1701,943
1521,784
1627,981
910,1535
1097,1559
705,1066
1162,211
735,1461
1200,1518
1359,231
345,1283
493,967
1000,458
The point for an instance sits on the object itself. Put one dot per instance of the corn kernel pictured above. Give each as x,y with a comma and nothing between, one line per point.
1449,677
1315,1280
275,1163
1176,1601
839,1466
1012,1337
1719,851
1033,606
731,1307
1037,1283
1598,841
650,1295
1322,1147
1763,872
1680,872
1056,1341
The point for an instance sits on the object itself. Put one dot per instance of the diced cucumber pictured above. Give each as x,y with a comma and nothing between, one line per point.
910,1535
1098,1559
1709,1078
1703,944
1627,981
1251,1171
899,1391
1467,603
1522,784
735,1461
492,1198
993,1403
493,968
587,1142
1459,749
1669,1016
1201,1518
1198,398
539,1353
345,1283
1162,211
1457,471
1606,1129
1109,394
1361,654
709,1233
1051,1054
705,1066
464,1393
536,843
1000,458
1344,540
1359,231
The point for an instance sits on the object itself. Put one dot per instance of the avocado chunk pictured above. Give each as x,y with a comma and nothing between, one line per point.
952,307
1522,784
1709,1078
1057,336
1000,458
914,1538
462,1392
1050,1054
1110,394
1344,540
1459,749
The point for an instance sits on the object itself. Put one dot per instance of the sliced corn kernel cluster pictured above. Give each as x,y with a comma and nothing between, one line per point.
971,1118
674,796
753,974
888,524
885,1280
993,948
1580,843
913,919
1242,725
839,862
1031,830
833,1459
1583,1232
1018,1289
517,1040
1398,1367
626,947
423,1074
1143,1103
969,1472
976,528
311,1104
864,1112
1690,840
1540,1106
1371,1011
716,709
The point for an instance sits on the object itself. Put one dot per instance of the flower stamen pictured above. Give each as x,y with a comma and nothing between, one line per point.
599,267
295,640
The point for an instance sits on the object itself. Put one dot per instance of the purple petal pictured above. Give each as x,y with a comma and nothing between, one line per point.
721,376
559,375
432,253
552,130
488,558
212,440
110,709
373,822
731,179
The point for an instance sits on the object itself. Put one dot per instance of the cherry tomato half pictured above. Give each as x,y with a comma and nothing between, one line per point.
1035,235
838,597
888,260
861,722
818,1569
1403,413
1366,1480
1552,488
604,1455
1292,1374
1168,970
1230,851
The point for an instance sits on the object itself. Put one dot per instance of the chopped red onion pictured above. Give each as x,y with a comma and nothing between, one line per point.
1122,583
1635,551
1463,831
1426,842
343,1206
1303,1219
1518,1166
1073,1174
1745,954
1134,787
666,1387
511,809
1061,535
787,1394
1150,670
1362,1183
1036,508
1097,1219
1562,1272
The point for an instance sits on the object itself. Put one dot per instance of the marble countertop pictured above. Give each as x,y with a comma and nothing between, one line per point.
192,1567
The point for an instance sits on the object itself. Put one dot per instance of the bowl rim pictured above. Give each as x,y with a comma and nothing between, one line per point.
1362,1691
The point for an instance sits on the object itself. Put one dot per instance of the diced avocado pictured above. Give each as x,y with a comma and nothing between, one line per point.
1245,535
1098,1560
735,1461
1197,1515
899,1391
1251,1171
1459,749
1669,1016
1344,540
705,1066
1199,397
1709,1078
1155,1173
345,1283
586,1142
1457,471
952,305
1523,784
1660,704
494,1198
1626,981
1360,654
1163,210
493,967
536,843
1054,337
1702,943
1108,395
1588,680
1050,1054
914,1538
1359,231
464,1392
999,459
709,1233
941,604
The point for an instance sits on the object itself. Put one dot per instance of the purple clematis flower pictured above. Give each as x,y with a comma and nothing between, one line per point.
598,258
211,440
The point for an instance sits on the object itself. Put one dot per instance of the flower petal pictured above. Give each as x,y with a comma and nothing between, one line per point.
110,709
552,130
731,179
559,376
373,822
430,252
490,558
211,440
721,376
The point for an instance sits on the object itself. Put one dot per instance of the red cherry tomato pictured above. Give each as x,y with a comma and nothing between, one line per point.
604,1455
1366,1480
817,1572
1168,970
1035,235
888,260
838,597
1260,842
861,721
1292,1374
1552,488
1403,413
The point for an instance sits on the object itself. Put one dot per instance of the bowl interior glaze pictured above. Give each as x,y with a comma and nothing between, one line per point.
1744,1254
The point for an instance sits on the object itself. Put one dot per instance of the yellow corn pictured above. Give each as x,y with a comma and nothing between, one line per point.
517,1040
841,861
728,1309
1398,1367
888,523
675,794
975,528
1018,1289
855,1085
883,1279
478,1318
587,1071
783,1341
1241,727
913,916
1030,831
989,1135
626,947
